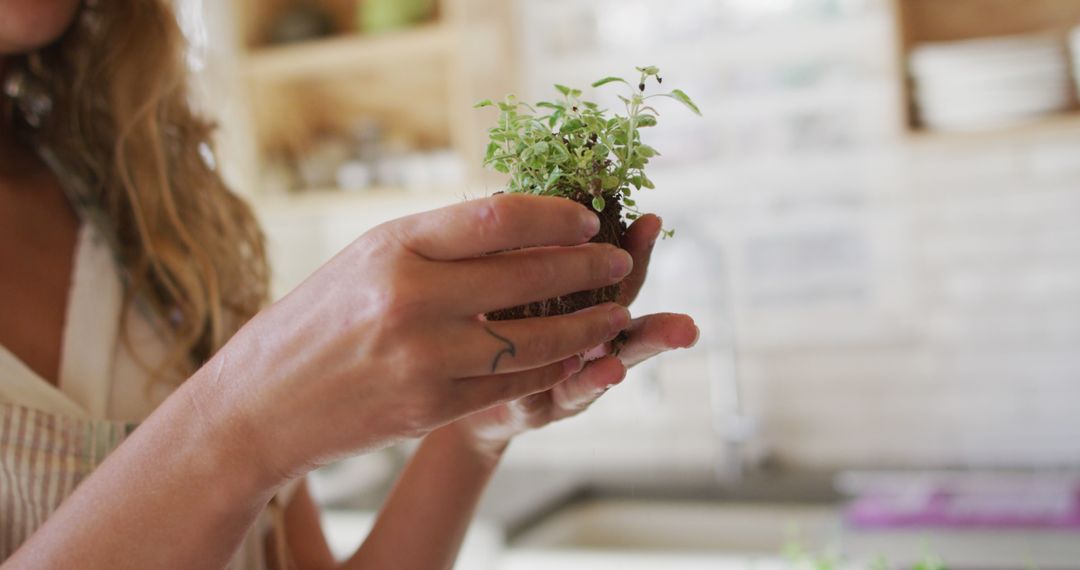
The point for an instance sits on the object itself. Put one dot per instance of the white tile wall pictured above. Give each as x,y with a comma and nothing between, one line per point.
889,303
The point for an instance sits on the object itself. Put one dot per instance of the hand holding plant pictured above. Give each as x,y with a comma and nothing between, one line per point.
574,149
384,342
490,430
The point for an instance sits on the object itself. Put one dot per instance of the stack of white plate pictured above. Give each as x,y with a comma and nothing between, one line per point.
987,83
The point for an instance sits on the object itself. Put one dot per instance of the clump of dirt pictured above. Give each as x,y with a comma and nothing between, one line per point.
612,230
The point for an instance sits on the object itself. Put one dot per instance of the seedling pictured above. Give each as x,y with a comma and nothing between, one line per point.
574,149
800,558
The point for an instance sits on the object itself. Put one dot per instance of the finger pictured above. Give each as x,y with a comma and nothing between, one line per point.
517,277
581,390
654,334
639,241
650,335
482,392
497,223
510,346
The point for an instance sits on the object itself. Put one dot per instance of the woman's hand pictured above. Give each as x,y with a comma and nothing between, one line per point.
384,341
490,430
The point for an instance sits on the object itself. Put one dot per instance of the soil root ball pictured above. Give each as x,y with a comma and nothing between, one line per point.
612,230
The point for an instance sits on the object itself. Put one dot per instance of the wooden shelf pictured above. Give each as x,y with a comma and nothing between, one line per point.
416,86
411,104
923,21
948,20
1066,123
341,55
370,202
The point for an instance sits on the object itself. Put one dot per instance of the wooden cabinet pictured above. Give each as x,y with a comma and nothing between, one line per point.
278,102
417,83
925,21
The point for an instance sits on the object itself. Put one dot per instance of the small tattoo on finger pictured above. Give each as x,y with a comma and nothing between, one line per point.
508,349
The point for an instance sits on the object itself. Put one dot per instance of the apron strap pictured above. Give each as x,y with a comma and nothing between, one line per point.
92,326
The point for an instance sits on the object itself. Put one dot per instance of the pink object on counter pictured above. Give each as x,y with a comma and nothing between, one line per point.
957,509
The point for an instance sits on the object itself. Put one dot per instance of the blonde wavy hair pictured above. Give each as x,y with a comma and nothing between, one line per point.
122,124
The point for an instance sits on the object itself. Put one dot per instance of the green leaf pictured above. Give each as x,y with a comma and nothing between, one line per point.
631,217
598,203
646,151
559,152
547,148
683,98
552,178
484,103
607,80
646,121
492,148
572,125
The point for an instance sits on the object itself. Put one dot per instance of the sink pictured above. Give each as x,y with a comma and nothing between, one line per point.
628,534
641,525
538,521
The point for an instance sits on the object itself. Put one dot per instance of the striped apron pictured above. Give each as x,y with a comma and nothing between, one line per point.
51,439
43,457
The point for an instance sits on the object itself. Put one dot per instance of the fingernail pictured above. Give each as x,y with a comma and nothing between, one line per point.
572,365
590,222
616,381
621,263
659,228
697,337
620,318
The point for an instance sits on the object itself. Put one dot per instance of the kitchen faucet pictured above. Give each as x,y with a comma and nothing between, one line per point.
732,427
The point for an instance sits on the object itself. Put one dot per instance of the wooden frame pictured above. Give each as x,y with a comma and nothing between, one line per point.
920,21
419,82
